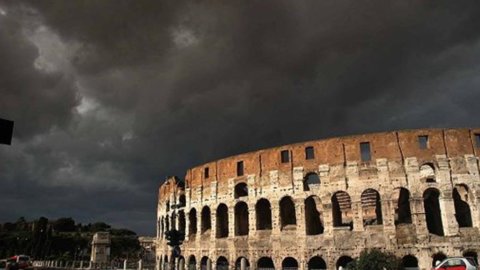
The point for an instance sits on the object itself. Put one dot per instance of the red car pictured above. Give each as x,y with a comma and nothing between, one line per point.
457,263
18,262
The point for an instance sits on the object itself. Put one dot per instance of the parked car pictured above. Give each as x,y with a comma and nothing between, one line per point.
457,263
18,262
3,264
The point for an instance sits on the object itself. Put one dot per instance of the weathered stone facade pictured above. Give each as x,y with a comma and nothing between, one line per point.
317,204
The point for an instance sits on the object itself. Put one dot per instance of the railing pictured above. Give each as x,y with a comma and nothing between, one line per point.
125,265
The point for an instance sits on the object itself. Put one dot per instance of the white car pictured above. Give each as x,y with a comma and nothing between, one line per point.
457,263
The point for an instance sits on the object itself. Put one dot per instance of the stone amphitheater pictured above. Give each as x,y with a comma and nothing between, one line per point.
318,204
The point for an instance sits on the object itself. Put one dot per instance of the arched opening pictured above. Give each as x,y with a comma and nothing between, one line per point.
192,263
462,209
403,214
192,222
371,207
343,262
263,213
310,180
438,257
317,263
427,172
167,223
265,263
182,201
240,261
168,206
342,209
432,211
222,221
181,221
205,263
222,263
471,254
165,262
206,221
409,262
287,213
241,219
313,224
289,263
241,190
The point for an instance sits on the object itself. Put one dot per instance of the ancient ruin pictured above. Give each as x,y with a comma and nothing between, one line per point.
318,204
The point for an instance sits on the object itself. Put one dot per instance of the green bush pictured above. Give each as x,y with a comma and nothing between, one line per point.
375,259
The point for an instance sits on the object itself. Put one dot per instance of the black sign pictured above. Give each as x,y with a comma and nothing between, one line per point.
6,131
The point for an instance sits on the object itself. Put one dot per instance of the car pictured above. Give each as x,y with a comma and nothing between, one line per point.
18,262
457,263
3,264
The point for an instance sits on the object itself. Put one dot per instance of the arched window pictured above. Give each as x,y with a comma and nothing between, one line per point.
168,206
241,190
471,254
287,213
289,263
343,261
463,214
317,263
264,215
239,261
222,263
206,219
427,172
181,221
410,262
222,221
205,263
192,222
310,180
342,209
167,223
402,212
432,211
192,263
438,257
313,224
241,219
265,263
182,201
371,207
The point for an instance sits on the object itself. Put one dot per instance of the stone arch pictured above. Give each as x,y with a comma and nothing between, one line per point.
241,219
313,223
427,172
181,221
403,214
317,263
205,263
192,222
222,263
206,219
439,256
289,263
265,263
241,190
238,263
433,214
222,221
409,262
263,212
287,213
192,263
310,180
371,207
463,214
342,209
343,261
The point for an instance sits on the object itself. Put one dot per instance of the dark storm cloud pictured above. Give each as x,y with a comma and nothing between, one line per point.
166,85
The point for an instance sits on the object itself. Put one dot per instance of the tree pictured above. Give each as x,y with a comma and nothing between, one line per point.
375,259
64,225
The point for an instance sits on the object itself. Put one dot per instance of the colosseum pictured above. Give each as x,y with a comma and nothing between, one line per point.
318,204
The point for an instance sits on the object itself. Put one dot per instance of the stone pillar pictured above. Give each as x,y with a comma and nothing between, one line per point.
231,221
388,219
252,219
298,179
243,264
357,216
275,218
209,264
300,216
418,217
327,218
213,223
187,225
447,209
140,265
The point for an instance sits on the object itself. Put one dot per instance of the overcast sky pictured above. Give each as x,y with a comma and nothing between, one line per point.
111,97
